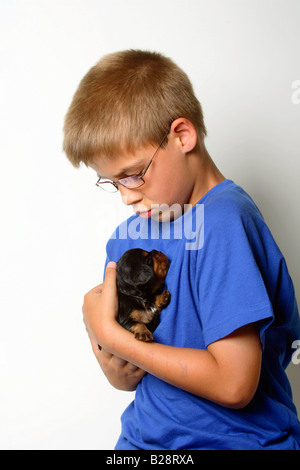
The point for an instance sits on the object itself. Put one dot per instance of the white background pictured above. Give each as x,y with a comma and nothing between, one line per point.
243,59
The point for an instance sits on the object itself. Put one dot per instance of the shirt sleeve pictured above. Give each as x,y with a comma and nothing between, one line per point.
232,291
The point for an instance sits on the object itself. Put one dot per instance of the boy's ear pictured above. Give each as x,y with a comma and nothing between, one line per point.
185,131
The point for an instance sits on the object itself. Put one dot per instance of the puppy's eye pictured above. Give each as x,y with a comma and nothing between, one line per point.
149,260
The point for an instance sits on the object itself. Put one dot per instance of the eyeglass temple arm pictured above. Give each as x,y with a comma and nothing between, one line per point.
163,139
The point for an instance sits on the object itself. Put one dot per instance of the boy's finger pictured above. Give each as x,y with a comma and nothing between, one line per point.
94,346
110,276
111,266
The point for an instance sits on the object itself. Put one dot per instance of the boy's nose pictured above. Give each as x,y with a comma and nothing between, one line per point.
130,196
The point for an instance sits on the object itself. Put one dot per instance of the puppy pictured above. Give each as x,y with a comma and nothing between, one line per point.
140,279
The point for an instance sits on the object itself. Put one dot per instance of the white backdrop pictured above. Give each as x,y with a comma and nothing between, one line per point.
243,59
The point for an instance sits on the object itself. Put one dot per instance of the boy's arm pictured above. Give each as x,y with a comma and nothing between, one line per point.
226,373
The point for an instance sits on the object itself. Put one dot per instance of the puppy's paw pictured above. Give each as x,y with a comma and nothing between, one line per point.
146,336
166,297
141,332
162,300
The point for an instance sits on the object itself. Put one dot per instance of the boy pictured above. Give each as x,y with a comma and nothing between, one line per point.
214,376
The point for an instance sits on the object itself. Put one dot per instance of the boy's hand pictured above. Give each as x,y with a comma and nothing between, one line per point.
121,374
100,311
100,307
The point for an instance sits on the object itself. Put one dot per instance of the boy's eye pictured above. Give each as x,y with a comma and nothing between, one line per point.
128,179
133,175
132,182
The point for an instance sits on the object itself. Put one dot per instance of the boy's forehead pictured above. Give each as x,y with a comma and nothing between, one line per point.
114,168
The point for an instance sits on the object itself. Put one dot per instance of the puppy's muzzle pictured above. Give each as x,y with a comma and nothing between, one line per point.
160,263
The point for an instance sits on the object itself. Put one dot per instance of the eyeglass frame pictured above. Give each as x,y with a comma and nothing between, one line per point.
139,177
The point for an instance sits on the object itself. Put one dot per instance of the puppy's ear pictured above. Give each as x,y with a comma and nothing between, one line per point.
135,283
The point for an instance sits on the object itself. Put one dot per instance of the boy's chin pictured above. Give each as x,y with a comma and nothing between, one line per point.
161,212
166,215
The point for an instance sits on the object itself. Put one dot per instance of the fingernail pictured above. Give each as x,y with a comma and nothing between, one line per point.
111,264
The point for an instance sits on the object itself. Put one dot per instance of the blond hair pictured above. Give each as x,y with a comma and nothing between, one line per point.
126,101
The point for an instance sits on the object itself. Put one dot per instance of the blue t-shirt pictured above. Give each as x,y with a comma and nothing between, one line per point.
226,271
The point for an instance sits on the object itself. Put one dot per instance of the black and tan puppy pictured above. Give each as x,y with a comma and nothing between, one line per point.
140,280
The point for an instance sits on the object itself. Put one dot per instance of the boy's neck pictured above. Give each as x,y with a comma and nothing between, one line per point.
207,175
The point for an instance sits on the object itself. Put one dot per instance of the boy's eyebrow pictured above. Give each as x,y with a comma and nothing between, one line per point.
128,170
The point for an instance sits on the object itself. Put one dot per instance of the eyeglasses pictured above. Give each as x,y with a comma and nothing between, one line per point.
129,182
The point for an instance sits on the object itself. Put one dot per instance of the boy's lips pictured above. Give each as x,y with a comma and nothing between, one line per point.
144,214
